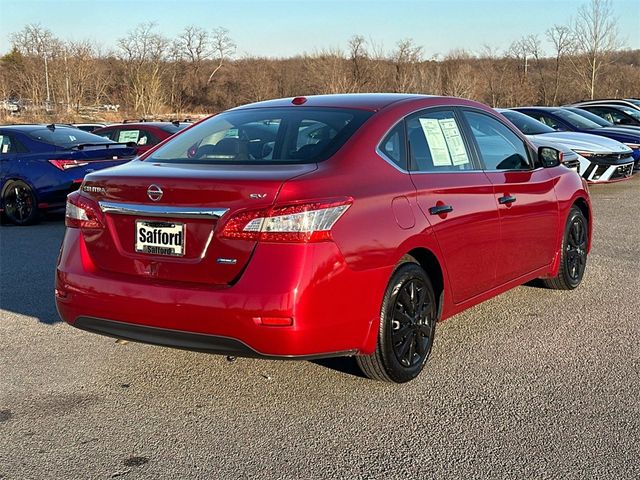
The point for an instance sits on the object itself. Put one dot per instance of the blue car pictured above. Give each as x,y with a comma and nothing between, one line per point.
564,120
41,164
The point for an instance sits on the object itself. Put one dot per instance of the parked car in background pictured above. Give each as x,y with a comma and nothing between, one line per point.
10,106
565,120
89,127
321,226
620,115
601,159
629,102
144,134
41,164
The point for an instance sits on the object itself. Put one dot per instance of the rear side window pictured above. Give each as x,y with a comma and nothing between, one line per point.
500,148
139,137
265,135
436,143
393,146
64,136
6,145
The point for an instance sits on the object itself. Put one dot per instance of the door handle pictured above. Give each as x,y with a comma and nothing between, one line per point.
440,209
507,199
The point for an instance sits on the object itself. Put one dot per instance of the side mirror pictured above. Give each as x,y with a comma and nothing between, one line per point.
549,157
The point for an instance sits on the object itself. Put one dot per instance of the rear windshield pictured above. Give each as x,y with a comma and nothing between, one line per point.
65,137
265,135
526,124
591,116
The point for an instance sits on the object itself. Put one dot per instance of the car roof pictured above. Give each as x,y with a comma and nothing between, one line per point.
144,124
358,101
544,109
26,127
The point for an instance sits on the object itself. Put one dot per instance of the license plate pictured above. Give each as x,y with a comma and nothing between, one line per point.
160,238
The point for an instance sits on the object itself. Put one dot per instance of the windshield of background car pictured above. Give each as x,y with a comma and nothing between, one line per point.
591,116
526,124
576,120
65,137
264,136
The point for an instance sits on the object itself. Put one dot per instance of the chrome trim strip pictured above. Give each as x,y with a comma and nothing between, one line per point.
161,210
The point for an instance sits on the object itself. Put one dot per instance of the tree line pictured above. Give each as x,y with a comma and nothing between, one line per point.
149,74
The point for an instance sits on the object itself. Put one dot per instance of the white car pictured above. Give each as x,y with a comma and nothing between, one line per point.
601,159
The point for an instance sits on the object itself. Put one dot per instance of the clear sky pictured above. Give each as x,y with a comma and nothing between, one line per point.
280,28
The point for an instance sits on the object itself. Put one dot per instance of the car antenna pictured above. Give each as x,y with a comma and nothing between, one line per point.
51,126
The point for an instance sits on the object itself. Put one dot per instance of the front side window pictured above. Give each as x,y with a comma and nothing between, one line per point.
500,148
265,135
436,143
575,120
589,115
632,112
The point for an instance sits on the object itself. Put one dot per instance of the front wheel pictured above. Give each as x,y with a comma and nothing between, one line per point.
407,327
20,204
573,257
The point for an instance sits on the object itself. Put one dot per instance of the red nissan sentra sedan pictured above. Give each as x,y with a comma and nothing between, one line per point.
321,226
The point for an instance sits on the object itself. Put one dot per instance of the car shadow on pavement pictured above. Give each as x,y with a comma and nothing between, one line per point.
28,257
536,283
346,365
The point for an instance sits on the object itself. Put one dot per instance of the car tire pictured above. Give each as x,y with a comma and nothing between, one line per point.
408,318
573,256
19,203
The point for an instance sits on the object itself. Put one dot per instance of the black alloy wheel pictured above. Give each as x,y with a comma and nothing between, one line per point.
20,204
576,249
407,326
573,257
411,323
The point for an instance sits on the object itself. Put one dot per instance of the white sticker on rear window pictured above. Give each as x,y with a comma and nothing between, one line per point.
454,141
436,142
129,136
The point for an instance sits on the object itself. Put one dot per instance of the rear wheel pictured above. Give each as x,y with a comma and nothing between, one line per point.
407,327
573,257
20,204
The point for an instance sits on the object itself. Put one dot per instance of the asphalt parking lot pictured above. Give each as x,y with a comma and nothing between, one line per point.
532,384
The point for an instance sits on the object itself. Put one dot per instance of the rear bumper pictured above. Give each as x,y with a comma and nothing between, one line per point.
334,308
197,342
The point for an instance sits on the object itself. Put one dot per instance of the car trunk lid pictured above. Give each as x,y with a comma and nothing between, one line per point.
173,197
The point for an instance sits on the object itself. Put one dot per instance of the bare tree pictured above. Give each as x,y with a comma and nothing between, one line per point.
223,49
457,74
560,38
143,52
36,42
595,38
405,58
359,57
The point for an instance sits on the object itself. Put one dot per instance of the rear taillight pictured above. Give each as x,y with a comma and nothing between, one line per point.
82,212
304,222
67,164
